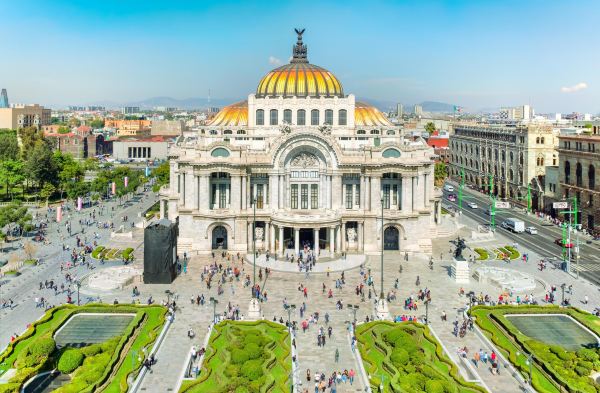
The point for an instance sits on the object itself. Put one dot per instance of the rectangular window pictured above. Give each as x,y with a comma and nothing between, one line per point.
149,152
260,117
294,197
342,117
386,196
314,117
222,196
329,116
259,196
304,196
314,196
357,196
301,120
274,121
287,116
395,195
348,196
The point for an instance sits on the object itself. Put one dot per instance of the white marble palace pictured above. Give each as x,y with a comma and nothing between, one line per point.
309,165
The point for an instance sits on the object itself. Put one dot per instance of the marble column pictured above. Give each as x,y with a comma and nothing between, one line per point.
376,193
413,189
406,194
281,241
296,241
336,191
421,194
272,238
189,190
316,241
332,242
250,238
162,209
243,192
196,184
236,189
361,237
272,191
267,237
362,192
343,235
367,193
280,195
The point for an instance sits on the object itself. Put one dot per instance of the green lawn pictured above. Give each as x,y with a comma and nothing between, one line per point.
553,366
100,359
409,359
245,357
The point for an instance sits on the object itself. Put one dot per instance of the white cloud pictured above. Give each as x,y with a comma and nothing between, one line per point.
274,61
574,88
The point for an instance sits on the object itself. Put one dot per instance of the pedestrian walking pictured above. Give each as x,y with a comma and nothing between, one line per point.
337,355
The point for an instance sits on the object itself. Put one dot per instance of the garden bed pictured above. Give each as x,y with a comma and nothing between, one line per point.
482,254
555,368
245,357
112,254
90,366
409,359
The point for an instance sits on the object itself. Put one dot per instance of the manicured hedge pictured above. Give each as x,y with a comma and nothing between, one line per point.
127,253
245,356
70,360
482,254
409,358
97,251
554,366
513,252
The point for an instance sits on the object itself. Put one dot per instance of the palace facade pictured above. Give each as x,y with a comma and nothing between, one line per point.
306,164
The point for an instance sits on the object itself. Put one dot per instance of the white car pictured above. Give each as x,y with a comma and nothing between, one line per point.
531,230
472,205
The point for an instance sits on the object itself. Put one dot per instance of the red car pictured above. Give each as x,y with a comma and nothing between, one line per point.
452,197
559,242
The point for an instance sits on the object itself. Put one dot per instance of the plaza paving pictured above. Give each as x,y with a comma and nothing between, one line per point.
282,285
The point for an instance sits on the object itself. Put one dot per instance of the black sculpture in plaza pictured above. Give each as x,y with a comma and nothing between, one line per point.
460,246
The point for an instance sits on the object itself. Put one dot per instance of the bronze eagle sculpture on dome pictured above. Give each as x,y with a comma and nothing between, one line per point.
299,32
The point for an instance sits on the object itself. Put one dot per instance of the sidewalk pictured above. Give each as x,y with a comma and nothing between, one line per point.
350,262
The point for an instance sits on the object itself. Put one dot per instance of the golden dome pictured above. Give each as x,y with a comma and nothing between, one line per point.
367,115
299,78
234,115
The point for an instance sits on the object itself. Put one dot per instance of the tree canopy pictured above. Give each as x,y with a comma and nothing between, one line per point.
9,145
430,127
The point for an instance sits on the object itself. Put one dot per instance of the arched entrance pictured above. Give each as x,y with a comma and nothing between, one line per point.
219,238
391,239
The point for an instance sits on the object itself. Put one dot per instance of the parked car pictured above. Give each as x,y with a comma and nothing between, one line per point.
559,242
531,230
448,187
472,205
452,197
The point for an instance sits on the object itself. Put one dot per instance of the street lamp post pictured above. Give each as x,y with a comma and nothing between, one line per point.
78,285
354,308
529,362
426,312
562,287
214,302
289,310
254,308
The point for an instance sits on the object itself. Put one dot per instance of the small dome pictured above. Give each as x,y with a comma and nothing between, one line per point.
234,115
299,78
367,115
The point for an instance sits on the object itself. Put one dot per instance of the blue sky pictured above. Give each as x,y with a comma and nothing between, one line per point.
479,54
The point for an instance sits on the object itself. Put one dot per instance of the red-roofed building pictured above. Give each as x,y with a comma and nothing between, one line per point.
79,142
440,146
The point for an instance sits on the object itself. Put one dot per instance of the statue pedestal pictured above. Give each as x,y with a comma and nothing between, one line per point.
254,310
382,310
460,271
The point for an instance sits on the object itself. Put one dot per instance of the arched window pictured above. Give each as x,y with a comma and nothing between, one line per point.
579,175
503,156
219,152
241,132
470,163
314,117
260,117
329,117
227,132
273,117
542,140
374,132
342,117
496,154
511,156
301,117
540,161
287,116
567,172
391,132
521,158
537,140
391,153
511,175
213,132
591,177
361,132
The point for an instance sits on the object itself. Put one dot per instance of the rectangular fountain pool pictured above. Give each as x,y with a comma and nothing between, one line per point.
554,329
88,328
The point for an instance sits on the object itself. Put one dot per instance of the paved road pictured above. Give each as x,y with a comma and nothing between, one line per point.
25,288
542,243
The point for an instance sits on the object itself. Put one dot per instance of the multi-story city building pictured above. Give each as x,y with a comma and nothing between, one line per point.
139,128
319,168
22,116
519,113
4,99
515,156
399,111
579,157
418,110
140,149
168,127
80,142
130,110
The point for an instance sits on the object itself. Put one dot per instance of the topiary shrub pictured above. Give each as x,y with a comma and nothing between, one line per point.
587,354
70,360
253,350
43,346
252,369
91,350
239,356
399,356
434,386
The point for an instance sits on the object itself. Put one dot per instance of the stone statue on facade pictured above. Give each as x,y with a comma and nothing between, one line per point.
285,128
259,234
304,160
351,234
325,129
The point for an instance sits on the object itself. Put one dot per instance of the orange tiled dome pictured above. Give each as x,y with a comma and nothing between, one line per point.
233,115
